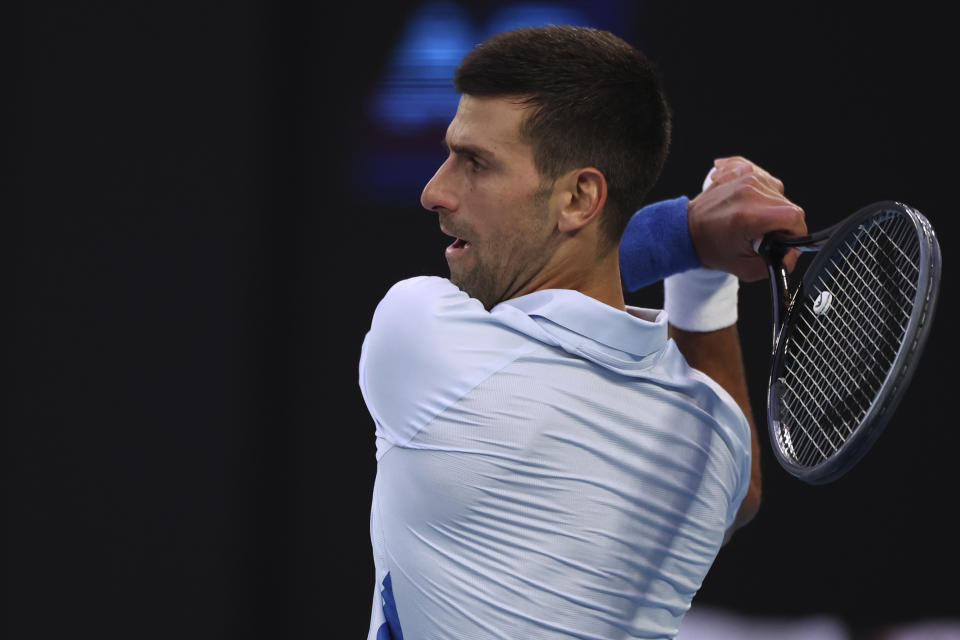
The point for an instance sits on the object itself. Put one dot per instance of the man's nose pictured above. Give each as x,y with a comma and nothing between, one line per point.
438,192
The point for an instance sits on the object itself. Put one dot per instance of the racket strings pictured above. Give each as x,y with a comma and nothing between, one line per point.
876,318
805,367
833,357
837,359
833,381
848,419
850,411
907,289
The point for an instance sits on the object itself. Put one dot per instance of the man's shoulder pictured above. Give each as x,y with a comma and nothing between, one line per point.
416,304
428,345
421,286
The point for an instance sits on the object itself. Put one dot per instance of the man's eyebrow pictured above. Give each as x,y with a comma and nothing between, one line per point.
466,150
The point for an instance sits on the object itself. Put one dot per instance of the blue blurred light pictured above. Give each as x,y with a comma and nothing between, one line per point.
414,99
417,87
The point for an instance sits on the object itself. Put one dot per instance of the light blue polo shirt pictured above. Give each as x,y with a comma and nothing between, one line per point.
550,468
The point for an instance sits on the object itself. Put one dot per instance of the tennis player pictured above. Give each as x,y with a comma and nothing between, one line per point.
551,462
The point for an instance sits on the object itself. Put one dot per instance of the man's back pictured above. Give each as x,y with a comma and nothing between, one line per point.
548,468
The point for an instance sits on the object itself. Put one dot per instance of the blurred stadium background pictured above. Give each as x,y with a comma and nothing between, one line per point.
207,200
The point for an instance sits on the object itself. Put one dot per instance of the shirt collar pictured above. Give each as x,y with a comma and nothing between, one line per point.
637,331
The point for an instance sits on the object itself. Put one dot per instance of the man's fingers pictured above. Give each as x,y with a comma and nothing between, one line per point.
730,169
761,218
740,204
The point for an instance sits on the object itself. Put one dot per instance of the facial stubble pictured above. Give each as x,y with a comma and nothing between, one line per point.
520,255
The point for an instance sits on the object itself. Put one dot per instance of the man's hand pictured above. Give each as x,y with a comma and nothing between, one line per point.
742,204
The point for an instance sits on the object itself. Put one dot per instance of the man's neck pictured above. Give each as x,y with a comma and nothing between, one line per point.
598,279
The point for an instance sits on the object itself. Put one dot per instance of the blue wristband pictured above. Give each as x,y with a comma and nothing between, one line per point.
656,244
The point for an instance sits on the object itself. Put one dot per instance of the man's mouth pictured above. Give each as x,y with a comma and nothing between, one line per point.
457,248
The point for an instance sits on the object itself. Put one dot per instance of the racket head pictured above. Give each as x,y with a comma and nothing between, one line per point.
851,340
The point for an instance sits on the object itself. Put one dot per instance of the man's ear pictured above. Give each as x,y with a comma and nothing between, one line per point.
586,193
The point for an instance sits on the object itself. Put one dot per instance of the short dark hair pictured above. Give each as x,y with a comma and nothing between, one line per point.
598,101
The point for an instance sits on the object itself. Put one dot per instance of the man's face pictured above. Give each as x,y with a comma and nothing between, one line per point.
489,196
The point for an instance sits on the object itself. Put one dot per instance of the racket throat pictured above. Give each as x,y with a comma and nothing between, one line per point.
780,293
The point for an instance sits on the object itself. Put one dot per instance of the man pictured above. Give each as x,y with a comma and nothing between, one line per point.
549,464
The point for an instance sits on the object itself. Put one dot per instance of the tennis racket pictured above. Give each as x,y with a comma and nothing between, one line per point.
848,336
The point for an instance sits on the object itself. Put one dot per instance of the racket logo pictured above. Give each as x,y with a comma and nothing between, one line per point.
822,304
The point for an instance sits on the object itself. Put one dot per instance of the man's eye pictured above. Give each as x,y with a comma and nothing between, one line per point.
474,164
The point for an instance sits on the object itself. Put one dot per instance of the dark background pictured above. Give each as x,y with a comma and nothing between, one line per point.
190,268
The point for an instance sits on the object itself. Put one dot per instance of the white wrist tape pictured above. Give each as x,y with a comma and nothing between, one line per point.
701,299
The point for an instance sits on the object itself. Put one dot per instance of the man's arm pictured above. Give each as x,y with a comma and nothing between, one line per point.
717,354
739,204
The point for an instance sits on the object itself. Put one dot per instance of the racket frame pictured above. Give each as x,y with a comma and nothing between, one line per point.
773,248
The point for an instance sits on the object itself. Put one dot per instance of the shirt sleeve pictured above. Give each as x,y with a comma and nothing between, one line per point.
429,344
657,244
